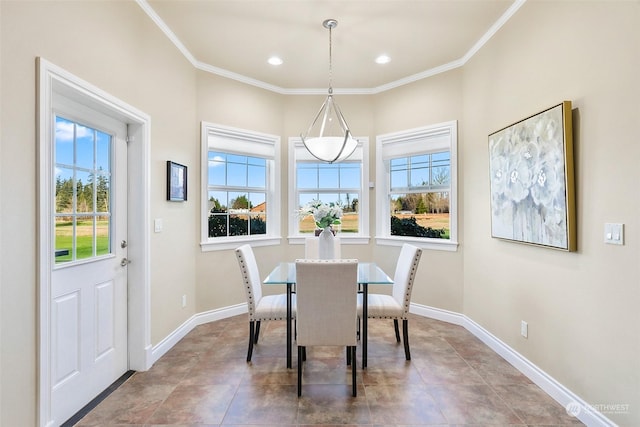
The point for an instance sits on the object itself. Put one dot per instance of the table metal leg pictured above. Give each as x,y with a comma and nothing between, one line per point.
365,313
289,325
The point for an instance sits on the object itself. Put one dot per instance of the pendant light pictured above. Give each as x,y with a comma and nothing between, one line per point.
328,138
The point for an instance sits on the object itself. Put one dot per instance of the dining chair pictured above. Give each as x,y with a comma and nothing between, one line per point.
261,307
396,305
312,251
327,309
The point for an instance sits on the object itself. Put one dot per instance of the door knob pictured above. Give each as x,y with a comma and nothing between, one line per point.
124,262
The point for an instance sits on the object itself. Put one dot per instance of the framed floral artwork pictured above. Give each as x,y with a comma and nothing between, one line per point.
532,187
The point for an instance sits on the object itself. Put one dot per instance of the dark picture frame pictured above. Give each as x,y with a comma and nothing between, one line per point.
176,182
532,180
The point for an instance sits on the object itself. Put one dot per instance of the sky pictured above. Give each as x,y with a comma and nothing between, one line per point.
90,145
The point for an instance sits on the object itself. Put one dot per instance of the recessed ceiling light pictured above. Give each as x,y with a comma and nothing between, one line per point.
275,60
383,59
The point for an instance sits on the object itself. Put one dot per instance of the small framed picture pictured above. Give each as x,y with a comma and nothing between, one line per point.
176,182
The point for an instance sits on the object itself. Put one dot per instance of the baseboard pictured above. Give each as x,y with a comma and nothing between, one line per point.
172,339
437,314
219,314
578,407
565,397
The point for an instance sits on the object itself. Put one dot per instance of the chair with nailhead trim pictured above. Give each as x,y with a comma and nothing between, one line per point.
396,305
327,309
261,307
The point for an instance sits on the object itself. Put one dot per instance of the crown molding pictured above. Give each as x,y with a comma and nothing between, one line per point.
344,91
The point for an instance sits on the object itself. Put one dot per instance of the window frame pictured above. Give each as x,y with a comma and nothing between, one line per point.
406,143
221,138
297,149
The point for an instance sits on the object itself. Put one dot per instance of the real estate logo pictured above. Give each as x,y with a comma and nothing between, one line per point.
573,408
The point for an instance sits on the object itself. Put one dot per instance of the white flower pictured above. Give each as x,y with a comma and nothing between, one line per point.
323,214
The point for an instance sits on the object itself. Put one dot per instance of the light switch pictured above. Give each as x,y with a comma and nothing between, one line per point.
614,234
157,225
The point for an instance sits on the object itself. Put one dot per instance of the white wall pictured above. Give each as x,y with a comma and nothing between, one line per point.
114,46
584,324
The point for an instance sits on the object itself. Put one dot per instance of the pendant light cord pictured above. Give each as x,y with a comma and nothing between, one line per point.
330,62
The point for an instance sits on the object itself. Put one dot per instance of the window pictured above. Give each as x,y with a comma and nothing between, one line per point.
82,191
341,183
417,187
240,181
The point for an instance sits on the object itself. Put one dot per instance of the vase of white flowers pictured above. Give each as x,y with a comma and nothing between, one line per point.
325,215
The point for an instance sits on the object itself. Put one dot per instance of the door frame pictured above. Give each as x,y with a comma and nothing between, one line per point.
52,80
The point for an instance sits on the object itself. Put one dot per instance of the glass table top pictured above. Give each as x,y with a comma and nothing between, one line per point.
368,273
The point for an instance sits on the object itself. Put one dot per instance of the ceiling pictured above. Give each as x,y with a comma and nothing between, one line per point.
234,38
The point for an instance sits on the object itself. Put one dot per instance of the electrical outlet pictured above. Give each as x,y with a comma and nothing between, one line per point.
184,301
524,329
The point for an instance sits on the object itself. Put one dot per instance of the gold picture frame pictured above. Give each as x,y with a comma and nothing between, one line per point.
532,180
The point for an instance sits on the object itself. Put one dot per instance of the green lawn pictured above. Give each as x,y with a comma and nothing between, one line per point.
84,239
350,222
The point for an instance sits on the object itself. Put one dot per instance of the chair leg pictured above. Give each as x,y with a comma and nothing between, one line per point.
348,355
251,332
405,338
255,338
300,359
395,326
353,371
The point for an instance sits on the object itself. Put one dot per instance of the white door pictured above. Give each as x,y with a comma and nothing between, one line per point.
88,309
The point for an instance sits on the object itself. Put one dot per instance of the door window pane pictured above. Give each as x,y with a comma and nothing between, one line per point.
84,242
84,191
102,235
103,193
64,141
103,159
85,146
82,218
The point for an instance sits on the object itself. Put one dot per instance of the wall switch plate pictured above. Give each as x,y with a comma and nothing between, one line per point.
184,301
614,234
524,329
157,225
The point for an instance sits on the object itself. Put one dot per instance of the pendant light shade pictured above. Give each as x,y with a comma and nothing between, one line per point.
328,138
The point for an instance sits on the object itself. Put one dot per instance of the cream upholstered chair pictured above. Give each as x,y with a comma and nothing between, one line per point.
396,305
312,251
261,307
326,308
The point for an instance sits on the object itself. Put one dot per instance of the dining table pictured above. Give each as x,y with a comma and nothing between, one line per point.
369,273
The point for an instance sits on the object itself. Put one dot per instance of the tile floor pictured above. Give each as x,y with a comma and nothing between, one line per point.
452,379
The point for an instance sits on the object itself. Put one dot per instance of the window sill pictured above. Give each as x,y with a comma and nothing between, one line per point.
226,243
424,243
345,239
